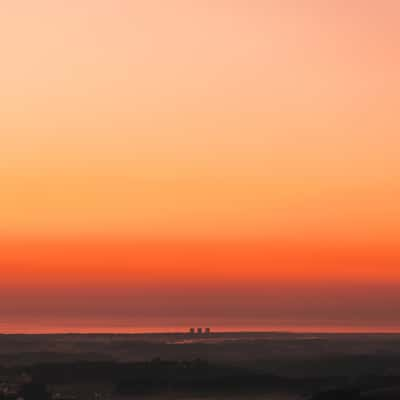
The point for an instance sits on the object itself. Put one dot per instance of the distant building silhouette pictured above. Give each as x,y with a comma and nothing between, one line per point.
199,331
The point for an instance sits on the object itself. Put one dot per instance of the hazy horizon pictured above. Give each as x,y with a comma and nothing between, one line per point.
131,328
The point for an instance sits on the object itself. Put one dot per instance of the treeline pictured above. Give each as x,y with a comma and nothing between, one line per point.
157,377
197,377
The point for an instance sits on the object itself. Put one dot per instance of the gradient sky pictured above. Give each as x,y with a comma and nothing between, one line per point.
174,163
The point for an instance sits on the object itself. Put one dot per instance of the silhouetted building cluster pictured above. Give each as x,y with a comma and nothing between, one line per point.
199,331
22,388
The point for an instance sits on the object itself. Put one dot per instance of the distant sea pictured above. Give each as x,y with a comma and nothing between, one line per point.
129,327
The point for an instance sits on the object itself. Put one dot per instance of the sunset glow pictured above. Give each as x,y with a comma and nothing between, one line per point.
172,163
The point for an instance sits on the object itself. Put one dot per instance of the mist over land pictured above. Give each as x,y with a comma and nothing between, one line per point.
225,365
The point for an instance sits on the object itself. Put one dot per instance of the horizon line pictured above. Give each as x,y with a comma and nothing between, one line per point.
216,331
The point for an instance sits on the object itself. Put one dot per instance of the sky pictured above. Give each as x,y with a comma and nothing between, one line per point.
224,163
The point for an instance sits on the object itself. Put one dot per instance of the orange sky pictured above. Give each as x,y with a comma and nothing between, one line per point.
164,164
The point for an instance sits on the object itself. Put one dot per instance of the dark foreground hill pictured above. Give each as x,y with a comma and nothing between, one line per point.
250,365
188,378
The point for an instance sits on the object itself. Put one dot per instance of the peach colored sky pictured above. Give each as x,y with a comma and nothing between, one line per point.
185,147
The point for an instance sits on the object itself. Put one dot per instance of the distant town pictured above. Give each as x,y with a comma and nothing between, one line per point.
199,331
